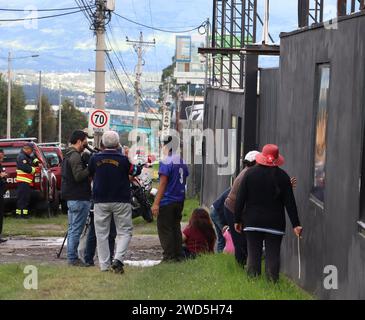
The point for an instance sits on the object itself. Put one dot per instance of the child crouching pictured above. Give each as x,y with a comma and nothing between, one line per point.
199,236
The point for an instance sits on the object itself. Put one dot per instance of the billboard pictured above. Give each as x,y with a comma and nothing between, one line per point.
183,48
192,71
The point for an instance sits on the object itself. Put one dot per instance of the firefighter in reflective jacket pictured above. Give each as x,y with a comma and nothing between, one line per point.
27,166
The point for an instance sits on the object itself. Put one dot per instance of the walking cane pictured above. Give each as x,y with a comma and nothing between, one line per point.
299,259
63,244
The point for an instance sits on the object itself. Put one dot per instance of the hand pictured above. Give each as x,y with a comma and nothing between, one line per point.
298,231
238,227
126,151
293,182
155,209
3,175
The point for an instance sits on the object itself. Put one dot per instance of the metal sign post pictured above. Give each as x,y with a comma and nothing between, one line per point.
99,122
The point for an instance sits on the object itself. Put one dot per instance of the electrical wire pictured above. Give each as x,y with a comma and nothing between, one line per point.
44,17
144,104
86,13
160,29
114,71
89,14
154,36
41,10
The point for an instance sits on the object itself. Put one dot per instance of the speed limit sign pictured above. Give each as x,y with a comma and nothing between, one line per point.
99,120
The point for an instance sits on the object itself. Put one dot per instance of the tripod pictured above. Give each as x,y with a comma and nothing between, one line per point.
84,232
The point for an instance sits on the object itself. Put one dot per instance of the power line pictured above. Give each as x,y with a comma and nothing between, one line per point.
122,64
154,35
88,15
40,10
44,17
159,29
117,79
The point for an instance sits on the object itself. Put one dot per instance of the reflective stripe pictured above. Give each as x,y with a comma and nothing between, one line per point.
26,180
25,211
18,211
21,176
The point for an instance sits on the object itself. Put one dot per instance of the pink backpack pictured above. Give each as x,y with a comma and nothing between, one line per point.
229,248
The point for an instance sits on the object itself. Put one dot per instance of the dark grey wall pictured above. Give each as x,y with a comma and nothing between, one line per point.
218,103
331,234
268,104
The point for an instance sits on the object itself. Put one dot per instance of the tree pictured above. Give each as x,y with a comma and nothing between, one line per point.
72,119
167,73
18,117
49,127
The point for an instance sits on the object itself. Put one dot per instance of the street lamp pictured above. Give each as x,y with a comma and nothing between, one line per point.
10,59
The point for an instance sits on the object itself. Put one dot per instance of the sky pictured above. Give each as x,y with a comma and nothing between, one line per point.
65,44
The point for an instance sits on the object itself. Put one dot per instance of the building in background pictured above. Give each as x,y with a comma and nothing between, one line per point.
313,107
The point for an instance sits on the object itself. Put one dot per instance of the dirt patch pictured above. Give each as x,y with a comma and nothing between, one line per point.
44,250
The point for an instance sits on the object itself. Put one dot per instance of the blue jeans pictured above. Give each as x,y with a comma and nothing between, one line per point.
239,239
77,215
91,241
218,224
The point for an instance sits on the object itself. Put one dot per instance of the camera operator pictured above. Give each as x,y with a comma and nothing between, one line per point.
77,191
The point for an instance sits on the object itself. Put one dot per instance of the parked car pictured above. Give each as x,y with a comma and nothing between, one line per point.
45,196
54,157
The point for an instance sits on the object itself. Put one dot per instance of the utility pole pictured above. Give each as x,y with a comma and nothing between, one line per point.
59,114
207,40
179,99
40,109
139,48
8,123
8,120
100,56
99,25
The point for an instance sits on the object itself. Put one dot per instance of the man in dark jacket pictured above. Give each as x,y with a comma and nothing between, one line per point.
26,168
111,195
76,191
3,176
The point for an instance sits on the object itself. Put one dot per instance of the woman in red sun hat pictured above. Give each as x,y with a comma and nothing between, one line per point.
264,194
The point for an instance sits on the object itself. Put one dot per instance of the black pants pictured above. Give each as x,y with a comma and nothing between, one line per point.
23,197
255,241
239,239
1,213
169,230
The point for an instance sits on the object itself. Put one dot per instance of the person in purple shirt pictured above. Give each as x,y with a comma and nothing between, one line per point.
169,202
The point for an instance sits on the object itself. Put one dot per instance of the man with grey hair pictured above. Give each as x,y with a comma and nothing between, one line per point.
111,194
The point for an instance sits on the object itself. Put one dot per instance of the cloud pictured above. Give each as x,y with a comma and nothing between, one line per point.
89,45
85,45
54,32
20,45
